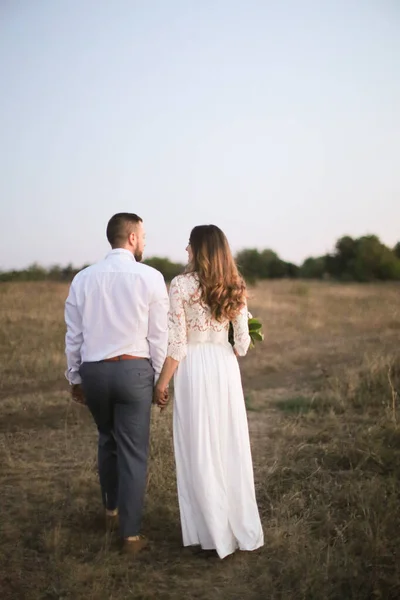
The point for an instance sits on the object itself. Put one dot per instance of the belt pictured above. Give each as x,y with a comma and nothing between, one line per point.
124,357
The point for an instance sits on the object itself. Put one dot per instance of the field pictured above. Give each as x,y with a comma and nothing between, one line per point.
323,409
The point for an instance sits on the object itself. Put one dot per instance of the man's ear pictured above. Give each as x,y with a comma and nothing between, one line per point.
132,238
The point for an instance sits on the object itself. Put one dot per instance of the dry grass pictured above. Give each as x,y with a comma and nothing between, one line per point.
322,394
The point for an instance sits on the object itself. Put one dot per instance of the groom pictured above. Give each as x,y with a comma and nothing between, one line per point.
116,342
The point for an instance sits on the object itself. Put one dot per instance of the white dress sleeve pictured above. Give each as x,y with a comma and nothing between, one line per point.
177,333
241,334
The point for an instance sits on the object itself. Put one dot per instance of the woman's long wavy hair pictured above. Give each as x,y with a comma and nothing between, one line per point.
222,288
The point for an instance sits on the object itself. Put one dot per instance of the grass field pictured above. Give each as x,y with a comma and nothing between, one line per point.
323,409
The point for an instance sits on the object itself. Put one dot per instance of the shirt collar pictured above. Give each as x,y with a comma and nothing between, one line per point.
122,251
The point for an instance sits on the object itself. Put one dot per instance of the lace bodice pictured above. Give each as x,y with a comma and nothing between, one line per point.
190,321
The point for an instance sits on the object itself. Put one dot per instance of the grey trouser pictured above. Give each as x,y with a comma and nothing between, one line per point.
119,396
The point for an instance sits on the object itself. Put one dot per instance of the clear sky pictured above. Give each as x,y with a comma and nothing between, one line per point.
279,121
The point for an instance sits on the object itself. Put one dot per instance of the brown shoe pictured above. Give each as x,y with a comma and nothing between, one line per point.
133,547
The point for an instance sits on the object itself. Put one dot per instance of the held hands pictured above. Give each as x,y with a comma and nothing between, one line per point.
77,394
161,388
161,396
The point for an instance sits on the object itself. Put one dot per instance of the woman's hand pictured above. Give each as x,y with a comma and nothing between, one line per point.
161,388
161,396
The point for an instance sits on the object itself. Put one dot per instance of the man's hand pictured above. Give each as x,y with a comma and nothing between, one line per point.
160,397
77,394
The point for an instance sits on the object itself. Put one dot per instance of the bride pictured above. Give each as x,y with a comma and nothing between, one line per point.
214,468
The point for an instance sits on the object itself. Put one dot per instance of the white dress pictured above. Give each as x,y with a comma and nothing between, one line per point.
214,467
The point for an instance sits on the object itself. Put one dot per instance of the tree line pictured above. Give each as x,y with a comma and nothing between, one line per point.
360,259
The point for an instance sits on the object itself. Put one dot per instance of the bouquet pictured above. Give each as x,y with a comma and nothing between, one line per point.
255,331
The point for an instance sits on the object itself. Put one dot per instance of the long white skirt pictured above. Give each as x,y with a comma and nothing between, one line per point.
212,452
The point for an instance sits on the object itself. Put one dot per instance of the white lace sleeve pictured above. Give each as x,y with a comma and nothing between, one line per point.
241,332
177,335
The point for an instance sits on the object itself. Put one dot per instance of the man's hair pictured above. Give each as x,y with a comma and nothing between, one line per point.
119,228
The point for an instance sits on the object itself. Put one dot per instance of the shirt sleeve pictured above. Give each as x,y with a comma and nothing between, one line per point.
177,334
157,335
241,334
73,337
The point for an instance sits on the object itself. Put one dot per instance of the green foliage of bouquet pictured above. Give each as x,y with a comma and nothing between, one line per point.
255,331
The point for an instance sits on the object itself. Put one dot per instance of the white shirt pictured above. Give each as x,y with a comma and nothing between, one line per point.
116,306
